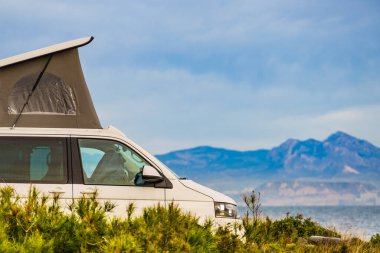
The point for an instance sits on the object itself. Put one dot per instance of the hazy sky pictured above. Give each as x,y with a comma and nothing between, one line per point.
235,74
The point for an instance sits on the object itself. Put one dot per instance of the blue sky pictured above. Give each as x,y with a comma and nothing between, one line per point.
235,74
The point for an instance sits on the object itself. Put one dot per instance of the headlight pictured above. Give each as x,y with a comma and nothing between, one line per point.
225,210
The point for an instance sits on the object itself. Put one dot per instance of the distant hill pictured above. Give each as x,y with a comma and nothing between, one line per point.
339,158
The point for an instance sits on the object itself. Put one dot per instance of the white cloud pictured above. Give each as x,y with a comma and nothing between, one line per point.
170,109
236,74
362,122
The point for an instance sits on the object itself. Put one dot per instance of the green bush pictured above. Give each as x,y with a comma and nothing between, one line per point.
39,224
375,241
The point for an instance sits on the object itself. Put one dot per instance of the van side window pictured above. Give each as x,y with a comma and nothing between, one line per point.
33,160
107,162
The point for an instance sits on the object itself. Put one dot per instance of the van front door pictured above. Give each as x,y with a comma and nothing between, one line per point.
112,169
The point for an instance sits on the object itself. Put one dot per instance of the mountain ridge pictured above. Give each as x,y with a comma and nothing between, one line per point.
292,158
340,158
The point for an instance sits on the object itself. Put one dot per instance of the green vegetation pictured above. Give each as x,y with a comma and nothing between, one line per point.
39,224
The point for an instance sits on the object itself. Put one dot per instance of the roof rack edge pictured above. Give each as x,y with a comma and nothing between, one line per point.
46,51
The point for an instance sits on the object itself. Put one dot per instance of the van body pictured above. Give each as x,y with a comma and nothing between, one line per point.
77,162
51,138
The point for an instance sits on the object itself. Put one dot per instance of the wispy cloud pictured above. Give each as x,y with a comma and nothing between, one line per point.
358,121
180,109
239,74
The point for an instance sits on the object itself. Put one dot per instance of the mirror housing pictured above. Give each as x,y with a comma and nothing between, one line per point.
151,175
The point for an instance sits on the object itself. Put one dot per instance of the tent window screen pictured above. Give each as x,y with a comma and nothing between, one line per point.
28,160
51,96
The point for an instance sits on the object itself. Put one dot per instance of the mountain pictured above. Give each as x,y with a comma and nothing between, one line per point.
340,158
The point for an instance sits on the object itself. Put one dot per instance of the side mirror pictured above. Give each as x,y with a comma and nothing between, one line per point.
151,175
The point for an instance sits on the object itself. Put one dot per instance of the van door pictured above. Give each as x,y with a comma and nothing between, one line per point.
35,161
111,169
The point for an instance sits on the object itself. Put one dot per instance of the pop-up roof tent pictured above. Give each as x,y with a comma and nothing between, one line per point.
46,88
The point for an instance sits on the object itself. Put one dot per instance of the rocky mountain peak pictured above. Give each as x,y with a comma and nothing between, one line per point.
348,142
289,143
340,138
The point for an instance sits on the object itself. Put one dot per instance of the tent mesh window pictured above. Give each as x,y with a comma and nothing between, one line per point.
51,96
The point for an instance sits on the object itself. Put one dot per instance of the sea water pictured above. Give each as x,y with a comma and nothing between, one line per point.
359,221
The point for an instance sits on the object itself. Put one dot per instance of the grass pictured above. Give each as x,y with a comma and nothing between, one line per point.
39,224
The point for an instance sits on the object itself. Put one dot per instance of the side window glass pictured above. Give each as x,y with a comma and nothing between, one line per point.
39,159
90,159
33,160
107,162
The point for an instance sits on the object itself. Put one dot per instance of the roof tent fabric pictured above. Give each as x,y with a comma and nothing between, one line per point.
46,88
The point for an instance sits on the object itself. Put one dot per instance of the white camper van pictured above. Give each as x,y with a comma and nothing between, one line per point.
50,137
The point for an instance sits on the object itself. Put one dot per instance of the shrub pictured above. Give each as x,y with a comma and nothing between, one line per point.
38,224
265,234
375,241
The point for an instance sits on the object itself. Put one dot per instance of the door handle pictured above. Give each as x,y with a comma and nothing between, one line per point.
57,190
88,191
